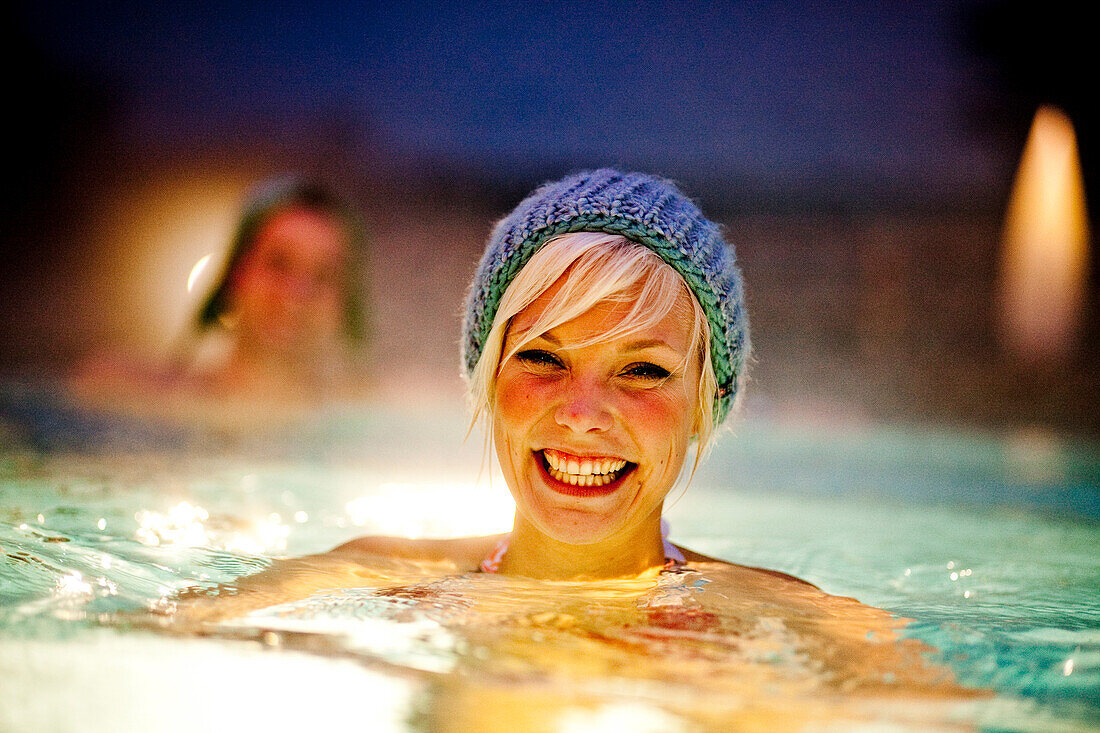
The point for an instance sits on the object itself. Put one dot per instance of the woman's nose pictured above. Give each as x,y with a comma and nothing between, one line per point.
300,290
298,285
584,408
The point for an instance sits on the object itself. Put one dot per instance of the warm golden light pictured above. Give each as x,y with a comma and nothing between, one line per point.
1045,244
197,270
443,509
153,239
189,525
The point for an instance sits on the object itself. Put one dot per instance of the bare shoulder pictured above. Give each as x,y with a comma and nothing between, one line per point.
762,574
779,590
465,552
366,562
787,594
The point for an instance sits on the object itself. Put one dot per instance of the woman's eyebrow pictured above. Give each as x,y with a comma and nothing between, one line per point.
642,344
548,336
638,345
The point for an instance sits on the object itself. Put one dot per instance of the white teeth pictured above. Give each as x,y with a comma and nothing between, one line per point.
583,471
573,479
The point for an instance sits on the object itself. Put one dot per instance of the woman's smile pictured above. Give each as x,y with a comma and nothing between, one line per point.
582,475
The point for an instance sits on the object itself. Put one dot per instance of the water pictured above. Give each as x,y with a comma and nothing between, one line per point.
991,547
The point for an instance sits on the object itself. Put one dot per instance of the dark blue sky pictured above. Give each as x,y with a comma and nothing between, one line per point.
779,91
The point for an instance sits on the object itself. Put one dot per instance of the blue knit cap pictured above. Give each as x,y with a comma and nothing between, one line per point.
642,208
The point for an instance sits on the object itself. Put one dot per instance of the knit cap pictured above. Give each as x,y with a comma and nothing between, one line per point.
648,210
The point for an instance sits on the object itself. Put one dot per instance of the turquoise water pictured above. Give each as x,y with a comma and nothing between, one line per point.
990,545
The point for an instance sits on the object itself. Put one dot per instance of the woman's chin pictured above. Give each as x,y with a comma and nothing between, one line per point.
577,515
576,530
573,525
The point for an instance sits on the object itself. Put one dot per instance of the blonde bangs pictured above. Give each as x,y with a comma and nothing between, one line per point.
595,267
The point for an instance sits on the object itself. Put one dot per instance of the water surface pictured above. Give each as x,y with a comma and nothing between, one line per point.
991,546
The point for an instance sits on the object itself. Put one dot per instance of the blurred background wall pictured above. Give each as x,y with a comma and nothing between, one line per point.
860,155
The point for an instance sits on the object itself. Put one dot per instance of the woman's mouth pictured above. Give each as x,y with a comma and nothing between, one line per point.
583,474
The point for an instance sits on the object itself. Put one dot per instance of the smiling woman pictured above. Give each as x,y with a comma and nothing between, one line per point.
605,336
595,402
594,358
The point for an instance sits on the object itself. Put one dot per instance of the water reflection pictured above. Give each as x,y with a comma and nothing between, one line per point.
708,649
80,587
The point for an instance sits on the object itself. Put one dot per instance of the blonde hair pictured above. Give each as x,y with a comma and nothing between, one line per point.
597,267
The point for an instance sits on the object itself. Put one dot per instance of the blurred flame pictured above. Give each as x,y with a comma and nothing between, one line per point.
1045,245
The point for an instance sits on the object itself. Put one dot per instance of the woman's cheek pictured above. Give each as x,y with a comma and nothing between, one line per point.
664,409
519,397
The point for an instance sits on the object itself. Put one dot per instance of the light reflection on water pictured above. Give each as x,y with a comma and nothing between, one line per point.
530,652
1005,590
458,510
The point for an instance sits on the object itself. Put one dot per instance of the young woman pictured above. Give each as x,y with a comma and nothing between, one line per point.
280,333
605,335
605,341
290,300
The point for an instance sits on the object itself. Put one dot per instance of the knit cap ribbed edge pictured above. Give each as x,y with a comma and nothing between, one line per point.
644,208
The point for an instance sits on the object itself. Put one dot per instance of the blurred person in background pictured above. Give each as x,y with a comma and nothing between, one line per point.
289,306
282,331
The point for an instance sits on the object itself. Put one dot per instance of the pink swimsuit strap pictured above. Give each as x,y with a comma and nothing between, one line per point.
674,559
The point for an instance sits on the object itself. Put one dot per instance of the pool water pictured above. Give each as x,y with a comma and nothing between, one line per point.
990,545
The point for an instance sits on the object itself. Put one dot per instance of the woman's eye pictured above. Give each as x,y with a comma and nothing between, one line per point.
539,358
646,370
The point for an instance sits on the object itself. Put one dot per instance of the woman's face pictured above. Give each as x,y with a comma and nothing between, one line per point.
591,437
287,291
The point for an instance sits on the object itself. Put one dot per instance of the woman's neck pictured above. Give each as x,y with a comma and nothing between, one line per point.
534,554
